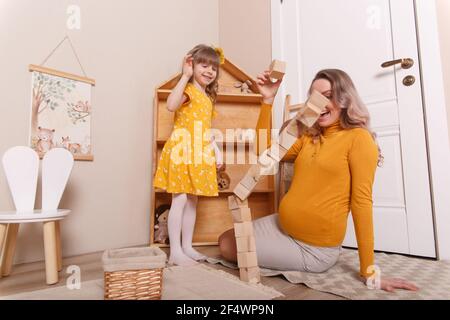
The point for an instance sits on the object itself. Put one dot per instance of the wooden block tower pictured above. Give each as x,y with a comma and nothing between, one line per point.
267,165
245,239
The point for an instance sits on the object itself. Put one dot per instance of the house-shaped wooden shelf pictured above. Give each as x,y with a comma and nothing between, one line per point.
236,110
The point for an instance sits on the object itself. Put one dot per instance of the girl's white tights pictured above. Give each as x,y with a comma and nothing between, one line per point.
187,230
181,221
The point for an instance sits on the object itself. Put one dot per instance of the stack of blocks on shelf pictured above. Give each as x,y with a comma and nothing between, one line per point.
267,164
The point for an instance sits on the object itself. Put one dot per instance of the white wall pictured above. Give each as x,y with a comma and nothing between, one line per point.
129,48
245,33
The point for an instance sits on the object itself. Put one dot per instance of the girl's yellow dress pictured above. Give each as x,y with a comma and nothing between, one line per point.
187,163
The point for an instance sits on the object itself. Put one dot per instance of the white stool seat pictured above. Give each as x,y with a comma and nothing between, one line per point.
7,217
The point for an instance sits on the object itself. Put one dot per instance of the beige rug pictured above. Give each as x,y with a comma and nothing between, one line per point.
179,283
432,277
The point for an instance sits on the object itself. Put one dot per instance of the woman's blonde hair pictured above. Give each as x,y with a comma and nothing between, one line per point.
354,113
206,54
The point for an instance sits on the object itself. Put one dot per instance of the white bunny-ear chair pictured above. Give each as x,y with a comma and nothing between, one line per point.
21,165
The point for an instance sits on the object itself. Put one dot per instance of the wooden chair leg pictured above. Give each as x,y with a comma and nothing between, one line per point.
9,249
58,246
3,230
51,261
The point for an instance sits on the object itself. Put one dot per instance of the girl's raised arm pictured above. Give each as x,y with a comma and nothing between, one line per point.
176,97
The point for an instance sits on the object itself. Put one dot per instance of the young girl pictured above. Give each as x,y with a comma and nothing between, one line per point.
187,167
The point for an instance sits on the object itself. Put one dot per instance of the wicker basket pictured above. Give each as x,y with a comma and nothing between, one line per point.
133,274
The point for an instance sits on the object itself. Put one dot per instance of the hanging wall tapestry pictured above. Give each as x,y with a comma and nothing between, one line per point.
61,112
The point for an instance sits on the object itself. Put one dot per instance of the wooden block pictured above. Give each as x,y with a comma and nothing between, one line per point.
301,110
313,108
265,160
310,117
247,259
269,166
251,178
277,152
241,191
254,171
243,229
292,128
249,182
309,111
236,203
277,69
286,140
296,107
251,274
270,170
318,100
241,215
246,244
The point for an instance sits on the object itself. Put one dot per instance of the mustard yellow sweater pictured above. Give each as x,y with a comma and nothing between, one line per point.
332,177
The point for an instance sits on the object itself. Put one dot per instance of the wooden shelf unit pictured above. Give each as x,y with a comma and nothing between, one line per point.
235,110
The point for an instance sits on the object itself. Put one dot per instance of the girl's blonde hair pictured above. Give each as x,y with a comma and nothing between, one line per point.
206,54
354,113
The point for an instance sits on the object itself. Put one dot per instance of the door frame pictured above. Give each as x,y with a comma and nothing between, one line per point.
434,107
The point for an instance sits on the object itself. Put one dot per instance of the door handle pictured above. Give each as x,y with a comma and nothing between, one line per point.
405,63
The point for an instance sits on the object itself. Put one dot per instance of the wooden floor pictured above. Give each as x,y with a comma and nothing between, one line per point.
31,277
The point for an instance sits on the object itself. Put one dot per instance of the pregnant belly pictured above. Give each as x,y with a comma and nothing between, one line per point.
304,219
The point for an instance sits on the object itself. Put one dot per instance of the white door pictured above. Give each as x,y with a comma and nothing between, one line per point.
357,36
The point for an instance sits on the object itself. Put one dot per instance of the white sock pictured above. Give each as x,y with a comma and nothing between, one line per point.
174,223
189,216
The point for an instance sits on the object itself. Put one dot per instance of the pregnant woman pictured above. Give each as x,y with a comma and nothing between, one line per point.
334,169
